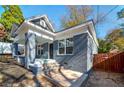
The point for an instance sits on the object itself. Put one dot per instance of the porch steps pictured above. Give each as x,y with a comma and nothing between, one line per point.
54,82
64,78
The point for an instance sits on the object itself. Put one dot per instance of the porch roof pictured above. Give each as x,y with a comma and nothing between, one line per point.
48,34
27,26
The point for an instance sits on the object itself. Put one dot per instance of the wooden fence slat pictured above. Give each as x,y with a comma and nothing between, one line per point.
110,62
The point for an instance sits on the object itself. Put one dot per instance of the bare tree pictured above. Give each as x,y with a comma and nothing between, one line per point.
79,14
75,15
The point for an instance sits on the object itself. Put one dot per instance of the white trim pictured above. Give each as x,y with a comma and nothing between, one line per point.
64,33
70,34
91,37
35,17
29,24
87,24
71,29
51,33
41,35
94,34
49,23
39,28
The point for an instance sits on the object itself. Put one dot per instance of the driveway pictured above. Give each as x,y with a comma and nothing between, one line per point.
105,79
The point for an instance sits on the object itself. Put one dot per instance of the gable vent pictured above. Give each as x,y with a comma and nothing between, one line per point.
42,23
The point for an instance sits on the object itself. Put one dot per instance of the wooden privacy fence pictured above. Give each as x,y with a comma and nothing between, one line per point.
110,62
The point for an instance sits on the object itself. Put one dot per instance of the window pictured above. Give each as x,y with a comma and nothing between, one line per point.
69,46
39,50
61,46
65,46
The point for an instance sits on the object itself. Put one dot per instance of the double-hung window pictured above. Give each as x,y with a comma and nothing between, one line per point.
39,50
65,46
62,46
69,46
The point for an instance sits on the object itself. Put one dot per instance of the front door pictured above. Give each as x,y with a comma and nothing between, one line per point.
51,51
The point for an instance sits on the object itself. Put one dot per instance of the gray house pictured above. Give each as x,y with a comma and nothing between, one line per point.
35,42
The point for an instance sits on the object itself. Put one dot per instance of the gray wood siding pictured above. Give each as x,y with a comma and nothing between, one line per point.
77,61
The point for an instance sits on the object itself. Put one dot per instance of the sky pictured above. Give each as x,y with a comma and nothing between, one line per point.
55,12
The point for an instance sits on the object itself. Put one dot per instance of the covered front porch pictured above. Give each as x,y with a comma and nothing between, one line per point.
33,48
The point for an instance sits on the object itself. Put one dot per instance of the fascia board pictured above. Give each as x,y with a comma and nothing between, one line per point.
39,28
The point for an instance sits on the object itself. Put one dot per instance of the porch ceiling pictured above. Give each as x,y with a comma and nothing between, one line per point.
39,39
42,40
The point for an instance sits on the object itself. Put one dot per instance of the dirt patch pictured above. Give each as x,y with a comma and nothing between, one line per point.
11,73
105,79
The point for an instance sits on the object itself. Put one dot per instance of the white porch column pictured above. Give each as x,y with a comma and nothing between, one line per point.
30,48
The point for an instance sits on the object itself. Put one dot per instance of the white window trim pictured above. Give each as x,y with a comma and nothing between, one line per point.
64,47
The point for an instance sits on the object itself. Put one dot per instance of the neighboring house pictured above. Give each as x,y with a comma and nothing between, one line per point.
5,48
73,47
